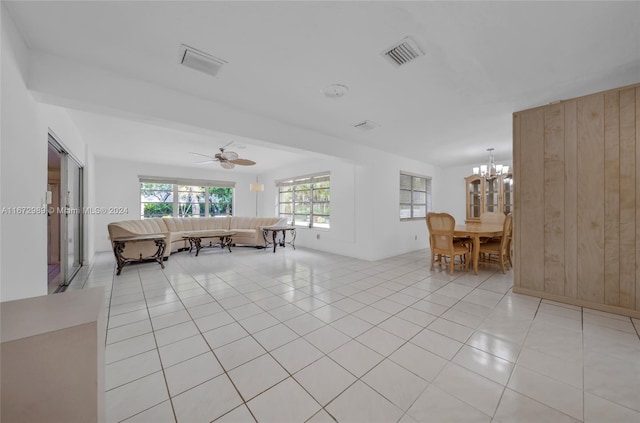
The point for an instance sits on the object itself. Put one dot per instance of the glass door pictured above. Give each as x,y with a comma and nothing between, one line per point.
73,216
54,265
65,216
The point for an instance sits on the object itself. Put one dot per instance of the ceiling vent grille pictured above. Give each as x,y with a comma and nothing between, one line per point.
367,125
200,61
403,52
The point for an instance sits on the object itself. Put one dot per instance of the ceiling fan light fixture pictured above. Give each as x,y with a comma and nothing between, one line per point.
227,159
229,155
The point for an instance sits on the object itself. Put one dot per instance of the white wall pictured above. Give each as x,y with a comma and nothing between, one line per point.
393,236
454,200
117,185
341,238
90,196
24,144
365,205
23,263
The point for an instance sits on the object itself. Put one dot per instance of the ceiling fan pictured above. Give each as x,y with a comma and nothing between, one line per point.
227,159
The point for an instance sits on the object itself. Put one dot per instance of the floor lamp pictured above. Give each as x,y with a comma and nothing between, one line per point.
257,187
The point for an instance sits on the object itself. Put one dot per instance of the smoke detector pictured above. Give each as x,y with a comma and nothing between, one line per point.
199,60
335,91
402,52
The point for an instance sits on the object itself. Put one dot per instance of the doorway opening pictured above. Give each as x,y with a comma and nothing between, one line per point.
65,223
53,220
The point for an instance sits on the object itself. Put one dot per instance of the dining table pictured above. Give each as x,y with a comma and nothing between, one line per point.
476,231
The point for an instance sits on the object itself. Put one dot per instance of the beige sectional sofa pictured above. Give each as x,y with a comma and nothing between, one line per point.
248,231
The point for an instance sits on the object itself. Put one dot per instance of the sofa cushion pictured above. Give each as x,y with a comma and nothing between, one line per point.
137,227
180,224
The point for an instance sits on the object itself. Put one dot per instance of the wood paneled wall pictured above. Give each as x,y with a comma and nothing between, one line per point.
577,201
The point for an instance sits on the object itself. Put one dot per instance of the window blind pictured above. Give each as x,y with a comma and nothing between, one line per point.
185,181
307,179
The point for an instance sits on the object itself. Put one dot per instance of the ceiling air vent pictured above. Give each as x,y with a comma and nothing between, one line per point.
200,61
402,52
367,125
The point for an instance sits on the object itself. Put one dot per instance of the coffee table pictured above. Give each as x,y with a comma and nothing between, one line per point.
274,232
195,239
121,242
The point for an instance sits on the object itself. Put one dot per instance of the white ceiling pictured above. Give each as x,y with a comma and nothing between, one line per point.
152,143
484,60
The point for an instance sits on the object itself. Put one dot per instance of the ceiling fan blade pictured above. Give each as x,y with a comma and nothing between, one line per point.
243,162
207,162
203,155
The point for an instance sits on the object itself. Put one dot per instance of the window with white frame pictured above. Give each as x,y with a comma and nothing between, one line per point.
170,197
415,196
305,200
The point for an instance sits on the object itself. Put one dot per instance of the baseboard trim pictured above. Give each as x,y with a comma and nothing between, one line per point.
578,302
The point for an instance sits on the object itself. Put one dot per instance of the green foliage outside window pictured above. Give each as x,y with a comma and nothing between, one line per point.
220,201
157,200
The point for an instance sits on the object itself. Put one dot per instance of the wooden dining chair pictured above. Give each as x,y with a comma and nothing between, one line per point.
442,243
499,249
492,217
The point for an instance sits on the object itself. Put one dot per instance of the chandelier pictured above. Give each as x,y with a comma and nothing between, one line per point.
491,170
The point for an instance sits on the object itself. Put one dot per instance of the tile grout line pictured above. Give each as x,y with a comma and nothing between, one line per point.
226,372
310,294
155,340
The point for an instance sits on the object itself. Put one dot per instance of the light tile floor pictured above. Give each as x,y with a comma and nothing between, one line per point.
306,336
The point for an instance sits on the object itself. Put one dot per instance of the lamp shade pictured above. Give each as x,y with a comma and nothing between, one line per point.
256,187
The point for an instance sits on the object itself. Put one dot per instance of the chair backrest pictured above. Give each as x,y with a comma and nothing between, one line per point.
507,231
492,217
441,227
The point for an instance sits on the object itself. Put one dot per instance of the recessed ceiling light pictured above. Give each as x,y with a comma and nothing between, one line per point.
335,90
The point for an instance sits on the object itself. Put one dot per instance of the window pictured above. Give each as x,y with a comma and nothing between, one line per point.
304,201
191,201
163,197
156,200
220,201
415,196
